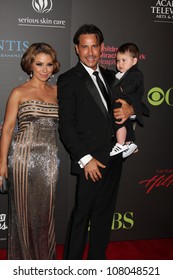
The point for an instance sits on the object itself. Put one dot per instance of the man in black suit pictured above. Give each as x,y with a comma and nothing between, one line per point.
86,129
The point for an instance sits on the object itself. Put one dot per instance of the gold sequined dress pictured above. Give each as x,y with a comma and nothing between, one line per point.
33,174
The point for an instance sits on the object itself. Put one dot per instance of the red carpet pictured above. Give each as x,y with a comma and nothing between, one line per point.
157,249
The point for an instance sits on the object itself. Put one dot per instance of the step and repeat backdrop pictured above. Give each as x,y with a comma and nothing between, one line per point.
144,208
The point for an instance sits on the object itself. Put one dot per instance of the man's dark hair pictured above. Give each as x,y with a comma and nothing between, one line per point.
88,29
131,48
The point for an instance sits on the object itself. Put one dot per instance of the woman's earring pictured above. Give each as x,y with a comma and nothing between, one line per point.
30,75
52,76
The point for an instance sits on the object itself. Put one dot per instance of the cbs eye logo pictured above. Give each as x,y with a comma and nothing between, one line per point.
156,96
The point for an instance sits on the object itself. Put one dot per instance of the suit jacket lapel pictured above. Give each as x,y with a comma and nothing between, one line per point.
122,78
91,88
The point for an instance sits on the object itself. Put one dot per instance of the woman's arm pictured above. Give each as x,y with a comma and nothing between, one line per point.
7,130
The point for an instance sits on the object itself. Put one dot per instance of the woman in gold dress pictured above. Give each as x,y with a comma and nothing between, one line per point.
29,158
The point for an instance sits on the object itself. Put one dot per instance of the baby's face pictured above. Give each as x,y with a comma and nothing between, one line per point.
125,61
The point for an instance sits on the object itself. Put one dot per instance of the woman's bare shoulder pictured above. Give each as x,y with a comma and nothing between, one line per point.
53,87
18,90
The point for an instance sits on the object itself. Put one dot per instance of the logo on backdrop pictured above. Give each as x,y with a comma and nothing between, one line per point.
162,11
122,221
42,6
12,48
156,96
3,225
108,56
163,179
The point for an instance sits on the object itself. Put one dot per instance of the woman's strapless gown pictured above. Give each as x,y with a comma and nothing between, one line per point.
33,174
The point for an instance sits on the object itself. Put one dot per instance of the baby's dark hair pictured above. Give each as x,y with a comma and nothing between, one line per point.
131,48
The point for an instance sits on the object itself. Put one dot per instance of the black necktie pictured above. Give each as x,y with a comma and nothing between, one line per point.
103,90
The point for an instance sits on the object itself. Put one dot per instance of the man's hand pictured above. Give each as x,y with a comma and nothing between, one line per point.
124,112
91,170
